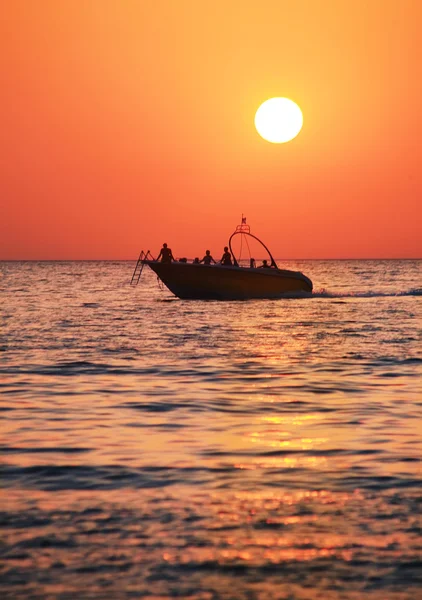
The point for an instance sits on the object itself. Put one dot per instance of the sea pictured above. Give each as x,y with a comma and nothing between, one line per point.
160,448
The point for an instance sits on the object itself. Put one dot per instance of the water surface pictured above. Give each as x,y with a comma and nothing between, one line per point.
159,448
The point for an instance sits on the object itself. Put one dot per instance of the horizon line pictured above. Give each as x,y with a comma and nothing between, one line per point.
2,260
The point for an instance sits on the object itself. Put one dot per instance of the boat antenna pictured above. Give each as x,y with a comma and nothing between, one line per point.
242,229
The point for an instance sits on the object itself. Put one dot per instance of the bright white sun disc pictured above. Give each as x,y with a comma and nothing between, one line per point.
278,120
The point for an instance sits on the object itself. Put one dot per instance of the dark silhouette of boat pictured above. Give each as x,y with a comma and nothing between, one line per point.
220,282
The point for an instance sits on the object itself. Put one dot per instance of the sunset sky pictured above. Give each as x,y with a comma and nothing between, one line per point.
127,123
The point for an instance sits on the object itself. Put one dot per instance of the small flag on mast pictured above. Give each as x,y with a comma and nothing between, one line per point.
243,220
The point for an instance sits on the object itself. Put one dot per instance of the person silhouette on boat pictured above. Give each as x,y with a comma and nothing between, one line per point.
226,259
208,259
196,261
252,264
264,265
166,254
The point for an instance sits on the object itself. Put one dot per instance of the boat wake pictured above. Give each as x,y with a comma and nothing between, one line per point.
373,294
323,293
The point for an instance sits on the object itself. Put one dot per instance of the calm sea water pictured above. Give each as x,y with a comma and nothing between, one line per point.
158,448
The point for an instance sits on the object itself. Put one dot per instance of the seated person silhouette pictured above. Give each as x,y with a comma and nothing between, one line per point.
196,261
264,265
226,259
208,259
252,264
166,254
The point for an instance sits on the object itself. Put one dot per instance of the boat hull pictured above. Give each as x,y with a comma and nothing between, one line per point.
217,282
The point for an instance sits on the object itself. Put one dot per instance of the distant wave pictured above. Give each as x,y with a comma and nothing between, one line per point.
56,477
199,373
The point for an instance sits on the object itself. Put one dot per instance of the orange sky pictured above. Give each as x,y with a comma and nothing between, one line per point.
126,123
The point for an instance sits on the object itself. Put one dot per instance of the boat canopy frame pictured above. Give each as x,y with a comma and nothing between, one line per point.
245,229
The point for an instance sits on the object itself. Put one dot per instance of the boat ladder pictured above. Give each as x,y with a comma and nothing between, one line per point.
139,266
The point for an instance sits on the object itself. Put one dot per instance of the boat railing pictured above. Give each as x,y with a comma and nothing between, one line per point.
243,227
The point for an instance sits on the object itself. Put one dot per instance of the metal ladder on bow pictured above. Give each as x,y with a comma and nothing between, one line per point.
139,266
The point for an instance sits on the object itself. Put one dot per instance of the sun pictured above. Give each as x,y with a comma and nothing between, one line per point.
278,120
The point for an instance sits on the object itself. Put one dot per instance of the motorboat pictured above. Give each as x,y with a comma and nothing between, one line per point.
195,281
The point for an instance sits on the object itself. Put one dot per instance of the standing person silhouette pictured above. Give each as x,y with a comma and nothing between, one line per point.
166,254
208,259
226,259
